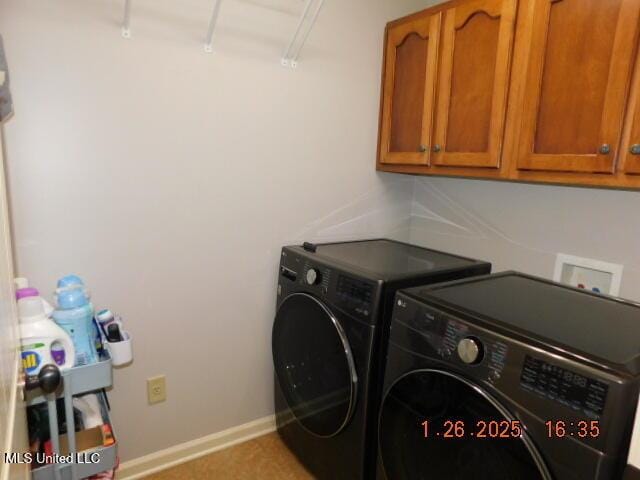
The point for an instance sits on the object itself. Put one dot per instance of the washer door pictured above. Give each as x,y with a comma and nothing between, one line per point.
441,451
314,365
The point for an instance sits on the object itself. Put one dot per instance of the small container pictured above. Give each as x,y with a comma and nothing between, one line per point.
121,352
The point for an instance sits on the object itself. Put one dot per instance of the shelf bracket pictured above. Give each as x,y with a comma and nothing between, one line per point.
208,44
126,21
300,36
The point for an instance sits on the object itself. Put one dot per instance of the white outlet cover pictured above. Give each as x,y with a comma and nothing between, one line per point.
608,275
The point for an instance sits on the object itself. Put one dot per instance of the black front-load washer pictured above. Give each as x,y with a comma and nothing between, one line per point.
508,377
333,307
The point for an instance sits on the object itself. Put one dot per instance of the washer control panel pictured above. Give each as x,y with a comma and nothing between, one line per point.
578,392
449,339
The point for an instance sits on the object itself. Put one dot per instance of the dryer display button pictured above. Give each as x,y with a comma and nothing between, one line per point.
313,276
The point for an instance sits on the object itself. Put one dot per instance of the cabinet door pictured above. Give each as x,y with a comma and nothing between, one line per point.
409,88
13,418
631,148
474,83
576,84
632,160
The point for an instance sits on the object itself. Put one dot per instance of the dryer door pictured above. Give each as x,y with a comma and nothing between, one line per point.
434,424
314,365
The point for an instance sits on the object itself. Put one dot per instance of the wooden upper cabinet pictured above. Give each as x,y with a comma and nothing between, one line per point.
409,89
477,43
523,90
575,91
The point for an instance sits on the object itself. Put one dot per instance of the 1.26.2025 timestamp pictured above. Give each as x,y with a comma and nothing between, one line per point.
581,429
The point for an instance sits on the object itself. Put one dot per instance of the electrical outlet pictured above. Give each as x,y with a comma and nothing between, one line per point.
594,275
156,389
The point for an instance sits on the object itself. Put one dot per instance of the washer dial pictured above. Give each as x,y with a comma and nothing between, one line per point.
470,350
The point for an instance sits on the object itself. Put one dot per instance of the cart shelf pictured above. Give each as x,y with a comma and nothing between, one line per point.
91,378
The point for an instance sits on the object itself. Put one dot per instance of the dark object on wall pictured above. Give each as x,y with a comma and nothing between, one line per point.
6,106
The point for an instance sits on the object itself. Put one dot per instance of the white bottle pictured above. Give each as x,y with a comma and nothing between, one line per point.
22,283
38,335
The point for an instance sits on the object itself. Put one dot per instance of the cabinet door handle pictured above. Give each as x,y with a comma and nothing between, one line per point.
423,148
437,148
605,149
635,149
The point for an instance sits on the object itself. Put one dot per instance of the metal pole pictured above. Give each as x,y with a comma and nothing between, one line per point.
208,46
294,58
126,22
71,424
53,431
305,12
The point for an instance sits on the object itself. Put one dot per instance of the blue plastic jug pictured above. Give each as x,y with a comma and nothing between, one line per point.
74,313
70,282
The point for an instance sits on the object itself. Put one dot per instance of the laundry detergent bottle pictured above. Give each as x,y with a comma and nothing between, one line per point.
41,337
69,282
74,313
23,290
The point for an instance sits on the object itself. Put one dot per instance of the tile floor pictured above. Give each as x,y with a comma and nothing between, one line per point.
264,458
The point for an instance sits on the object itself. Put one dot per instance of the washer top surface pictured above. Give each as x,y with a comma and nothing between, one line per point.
388,258
592,324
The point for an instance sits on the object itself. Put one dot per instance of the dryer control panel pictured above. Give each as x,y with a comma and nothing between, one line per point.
354,294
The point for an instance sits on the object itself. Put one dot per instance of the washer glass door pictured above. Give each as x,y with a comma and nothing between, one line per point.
314,365
434,424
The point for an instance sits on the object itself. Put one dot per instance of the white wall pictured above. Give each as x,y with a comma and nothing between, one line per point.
523,227
169,179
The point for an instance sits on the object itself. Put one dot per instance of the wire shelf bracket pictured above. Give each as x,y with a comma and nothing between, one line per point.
301,34
307,21
126,21
208,44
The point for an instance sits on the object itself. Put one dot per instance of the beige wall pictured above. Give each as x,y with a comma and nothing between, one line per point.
169,179
523,227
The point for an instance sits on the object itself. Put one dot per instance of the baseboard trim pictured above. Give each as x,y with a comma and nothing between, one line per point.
184,452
